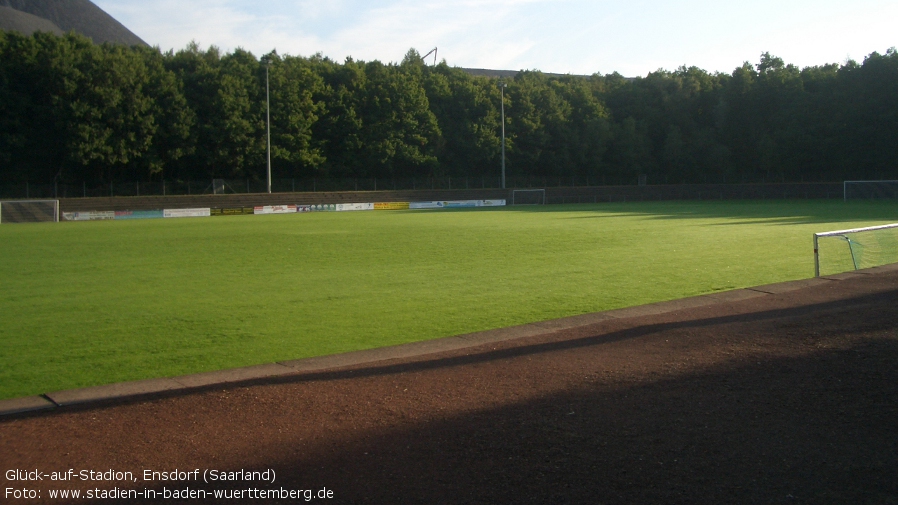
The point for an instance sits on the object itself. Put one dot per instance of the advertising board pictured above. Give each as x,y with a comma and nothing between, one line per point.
274,209
321,207
236,211
391,205
91,215
456,204
187,212
354,206
138,214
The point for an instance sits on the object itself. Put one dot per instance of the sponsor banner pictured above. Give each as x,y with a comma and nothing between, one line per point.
456,204
232,211
138,214
187,212
92,215
391,205
425,205
320,207
274,209
354,206
459,204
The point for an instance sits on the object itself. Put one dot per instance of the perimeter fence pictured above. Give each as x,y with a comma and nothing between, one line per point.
558,189
238,186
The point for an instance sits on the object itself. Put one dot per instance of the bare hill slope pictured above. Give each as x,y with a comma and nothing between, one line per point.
22,22
82,16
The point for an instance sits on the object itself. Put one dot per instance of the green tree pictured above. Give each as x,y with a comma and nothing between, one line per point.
173,118
296,105
81,110
400,130
227,95
467,112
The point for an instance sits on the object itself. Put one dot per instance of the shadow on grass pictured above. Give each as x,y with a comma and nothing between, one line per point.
785,212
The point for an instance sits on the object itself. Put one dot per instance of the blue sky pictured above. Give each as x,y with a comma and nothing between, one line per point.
561,36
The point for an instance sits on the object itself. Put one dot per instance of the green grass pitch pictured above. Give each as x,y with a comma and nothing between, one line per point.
91,303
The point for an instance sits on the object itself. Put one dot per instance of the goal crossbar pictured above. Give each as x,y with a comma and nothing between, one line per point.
856,230
842,234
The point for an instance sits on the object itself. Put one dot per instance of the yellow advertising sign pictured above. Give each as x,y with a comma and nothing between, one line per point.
391,206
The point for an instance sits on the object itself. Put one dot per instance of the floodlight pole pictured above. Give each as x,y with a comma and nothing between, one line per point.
502,86
268,123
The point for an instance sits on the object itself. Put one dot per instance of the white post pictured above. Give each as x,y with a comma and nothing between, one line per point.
268,124
502,106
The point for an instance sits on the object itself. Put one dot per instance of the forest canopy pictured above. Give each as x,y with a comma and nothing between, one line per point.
75,112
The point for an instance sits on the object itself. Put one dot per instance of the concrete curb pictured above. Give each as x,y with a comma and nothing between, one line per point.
148,386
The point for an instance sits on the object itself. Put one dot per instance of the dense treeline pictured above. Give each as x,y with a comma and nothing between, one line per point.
72,111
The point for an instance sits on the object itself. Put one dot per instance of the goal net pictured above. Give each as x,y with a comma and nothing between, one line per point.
870,190
29,211
528,197
847,250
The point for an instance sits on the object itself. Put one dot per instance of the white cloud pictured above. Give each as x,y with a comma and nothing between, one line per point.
564,36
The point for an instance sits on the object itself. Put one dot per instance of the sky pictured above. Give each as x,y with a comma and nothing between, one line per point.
584,37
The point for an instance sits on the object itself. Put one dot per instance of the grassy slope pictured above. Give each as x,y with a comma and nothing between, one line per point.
99,302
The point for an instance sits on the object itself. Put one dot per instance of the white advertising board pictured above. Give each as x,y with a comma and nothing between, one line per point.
89,215
275,209
355,206
321,207
187,212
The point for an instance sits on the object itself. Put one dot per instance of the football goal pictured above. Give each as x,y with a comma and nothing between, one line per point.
29,211
528,197
870,190
846,250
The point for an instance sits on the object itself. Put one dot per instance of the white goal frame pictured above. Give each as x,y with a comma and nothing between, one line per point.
846,183
514,193
842,234
45,200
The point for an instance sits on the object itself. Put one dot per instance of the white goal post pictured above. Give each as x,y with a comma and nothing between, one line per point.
528,197
869,190
859,247
29,211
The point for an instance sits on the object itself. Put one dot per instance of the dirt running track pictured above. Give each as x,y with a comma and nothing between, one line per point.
779,398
